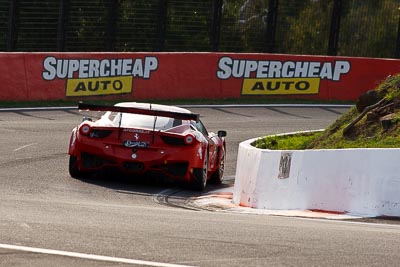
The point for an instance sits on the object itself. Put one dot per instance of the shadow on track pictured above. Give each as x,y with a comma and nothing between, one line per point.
163,191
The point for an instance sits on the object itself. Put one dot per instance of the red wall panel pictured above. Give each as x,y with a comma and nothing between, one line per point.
141,76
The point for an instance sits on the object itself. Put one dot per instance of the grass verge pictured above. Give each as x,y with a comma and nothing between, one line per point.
371,131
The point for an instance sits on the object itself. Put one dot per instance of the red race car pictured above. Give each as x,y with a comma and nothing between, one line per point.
140,139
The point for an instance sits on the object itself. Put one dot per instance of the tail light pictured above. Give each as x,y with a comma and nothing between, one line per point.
85,129
100,133
179,140
173,141
189,139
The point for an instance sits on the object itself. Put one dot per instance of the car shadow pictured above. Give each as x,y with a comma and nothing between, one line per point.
150,186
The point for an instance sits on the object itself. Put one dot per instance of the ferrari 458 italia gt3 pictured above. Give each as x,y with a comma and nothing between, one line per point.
140,139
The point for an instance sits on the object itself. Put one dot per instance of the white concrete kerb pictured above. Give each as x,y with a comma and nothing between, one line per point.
356,181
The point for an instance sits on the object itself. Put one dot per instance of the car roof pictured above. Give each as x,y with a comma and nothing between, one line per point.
150,106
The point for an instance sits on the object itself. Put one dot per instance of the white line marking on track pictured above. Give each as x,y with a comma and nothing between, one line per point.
25,146
25,225
89,256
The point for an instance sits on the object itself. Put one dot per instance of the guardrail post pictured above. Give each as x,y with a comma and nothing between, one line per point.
61,26
111,25
271,26
162,25
215,24
11,25
335,28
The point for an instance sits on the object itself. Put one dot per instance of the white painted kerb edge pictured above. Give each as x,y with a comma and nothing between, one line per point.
356,181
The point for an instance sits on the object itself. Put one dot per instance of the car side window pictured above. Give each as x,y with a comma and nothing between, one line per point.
200,127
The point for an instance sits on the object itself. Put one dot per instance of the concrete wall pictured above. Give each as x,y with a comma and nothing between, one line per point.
357,181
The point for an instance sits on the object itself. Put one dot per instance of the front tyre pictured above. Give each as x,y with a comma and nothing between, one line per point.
200,176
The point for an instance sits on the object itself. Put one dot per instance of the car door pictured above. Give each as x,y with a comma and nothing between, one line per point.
212,146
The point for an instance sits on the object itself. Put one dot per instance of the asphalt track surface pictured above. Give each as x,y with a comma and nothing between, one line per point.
49,219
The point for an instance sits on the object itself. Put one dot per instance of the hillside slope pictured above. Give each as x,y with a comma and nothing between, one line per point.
373,123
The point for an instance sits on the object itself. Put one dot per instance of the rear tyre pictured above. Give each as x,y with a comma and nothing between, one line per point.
73,167
218,175
200,176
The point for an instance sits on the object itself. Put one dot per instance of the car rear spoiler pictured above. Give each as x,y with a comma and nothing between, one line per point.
151,112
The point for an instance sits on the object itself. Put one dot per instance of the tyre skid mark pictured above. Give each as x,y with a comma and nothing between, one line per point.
168,198
22,161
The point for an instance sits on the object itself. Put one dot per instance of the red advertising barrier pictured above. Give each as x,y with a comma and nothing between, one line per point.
141,76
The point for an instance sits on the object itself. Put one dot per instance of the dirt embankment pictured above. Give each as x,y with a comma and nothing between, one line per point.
373,122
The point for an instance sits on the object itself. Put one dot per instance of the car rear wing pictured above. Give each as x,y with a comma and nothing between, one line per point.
151,112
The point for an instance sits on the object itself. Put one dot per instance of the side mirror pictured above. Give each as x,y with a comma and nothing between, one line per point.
221,133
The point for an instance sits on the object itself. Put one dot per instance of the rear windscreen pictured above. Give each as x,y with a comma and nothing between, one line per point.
129,120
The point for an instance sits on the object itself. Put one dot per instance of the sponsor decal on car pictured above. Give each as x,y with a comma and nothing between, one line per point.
89,77
129,130
130,143
274,77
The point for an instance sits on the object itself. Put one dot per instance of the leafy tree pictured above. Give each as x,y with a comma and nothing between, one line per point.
244,25
188,25
303,28
369,28
36,25
86,28
138,25
4,7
